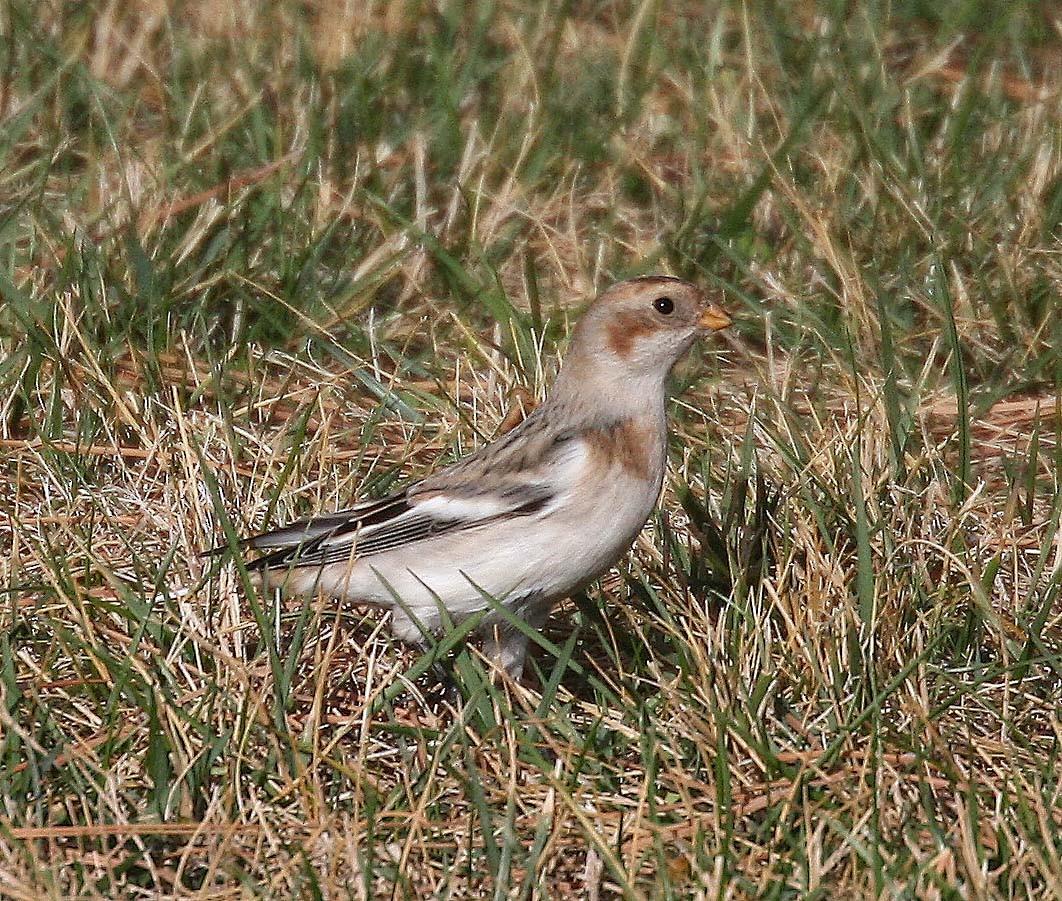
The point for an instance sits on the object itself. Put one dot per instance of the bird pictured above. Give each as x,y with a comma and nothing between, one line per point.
530,518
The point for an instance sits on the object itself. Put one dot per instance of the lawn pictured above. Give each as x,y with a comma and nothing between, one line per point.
259,259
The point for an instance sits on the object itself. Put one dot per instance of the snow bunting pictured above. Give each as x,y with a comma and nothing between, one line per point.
530,518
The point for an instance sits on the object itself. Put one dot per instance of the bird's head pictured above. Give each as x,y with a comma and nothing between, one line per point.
637,330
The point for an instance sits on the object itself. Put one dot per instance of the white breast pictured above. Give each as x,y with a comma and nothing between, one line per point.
590,524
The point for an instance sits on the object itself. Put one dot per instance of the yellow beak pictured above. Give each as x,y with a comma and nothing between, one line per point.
713,318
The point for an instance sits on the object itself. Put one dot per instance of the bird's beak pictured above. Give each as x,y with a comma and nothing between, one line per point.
713,318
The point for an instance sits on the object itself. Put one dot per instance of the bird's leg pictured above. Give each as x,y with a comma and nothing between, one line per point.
506,646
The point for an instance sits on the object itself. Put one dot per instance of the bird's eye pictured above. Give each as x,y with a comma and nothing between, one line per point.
664,305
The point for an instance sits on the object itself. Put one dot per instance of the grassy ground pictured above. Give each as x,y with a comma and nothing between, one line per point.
257,259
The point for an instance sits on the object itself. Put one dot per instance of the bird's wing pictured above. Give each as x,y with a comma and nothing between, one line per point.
305,530
456,499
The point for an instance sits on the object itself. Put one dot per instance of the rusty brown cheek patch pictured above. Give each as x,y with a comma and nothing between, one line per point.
624,331
628,445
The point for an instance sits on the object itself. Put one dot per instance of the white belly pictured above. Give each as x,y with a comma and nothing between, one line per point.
532,560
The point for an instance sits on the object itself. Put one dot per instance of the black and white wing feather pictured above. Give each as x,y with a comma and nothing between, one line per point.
520,475
387,524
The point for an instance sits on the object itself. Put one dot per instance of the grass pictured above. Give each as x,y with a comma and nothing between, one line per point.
257,259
